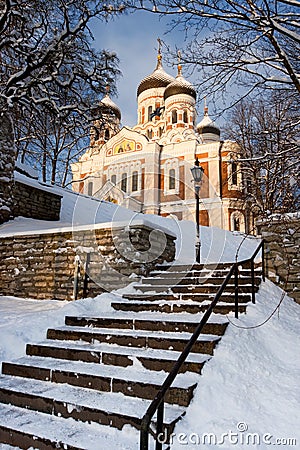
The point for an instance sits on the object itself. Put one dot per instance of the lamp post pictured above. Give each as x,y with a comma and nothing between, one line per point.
197,172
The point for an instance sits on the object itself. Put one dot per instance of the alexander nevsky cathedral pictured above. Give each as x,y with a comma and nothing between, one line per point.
147,167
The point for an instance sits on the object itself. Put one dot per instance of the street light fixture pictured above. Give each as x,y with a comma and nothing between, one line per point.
197,172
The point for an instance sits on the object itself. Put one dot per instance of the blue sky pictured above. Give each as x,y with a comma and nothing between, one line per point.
134,38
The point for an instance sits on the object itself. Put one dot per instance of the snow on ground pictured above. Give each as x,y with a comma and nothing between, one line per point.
25,320
251,385
248,392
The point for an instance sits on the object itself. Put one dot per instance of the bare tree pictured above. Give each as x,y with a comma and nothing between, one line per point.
236,44
268,134
49,143
44,47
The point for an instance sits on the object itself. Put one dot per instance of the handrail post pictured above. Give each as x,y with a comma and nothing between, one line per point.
144,433
263,261
76,278
159,425
236,291
86,276
252,281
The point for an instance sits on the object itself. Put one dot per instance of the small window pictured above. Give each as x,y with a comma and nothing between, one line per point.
90,188
106,136
135,178
150,134
174,116
113,179
160,131
124,182
185,116
150,110
234,178
172,179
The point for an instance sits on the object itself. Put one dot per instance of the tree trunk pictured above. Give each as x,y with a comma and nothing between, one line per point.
7,165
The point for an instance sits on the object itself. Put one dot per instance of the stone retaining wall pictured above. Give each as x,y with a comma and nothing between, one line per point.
43,265
29,201
282,238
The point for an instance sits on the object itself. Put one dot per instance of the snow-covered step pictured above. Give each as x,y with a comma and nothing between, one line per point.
132,380
112,354
209,282
123,350
23,428
163,323
187,272
107,354
192,267
106,408
178,306
211,289
162,340
151,294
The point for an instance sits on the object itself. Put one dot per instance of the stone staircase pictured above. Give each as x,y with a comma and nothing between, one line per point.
96,373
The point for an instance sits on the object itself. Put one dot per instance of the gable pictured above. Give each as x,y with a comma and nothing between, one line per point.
125,141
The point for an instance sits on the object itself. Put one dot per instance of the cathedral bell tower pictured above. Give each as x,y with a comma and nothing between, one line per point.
150,97
107,121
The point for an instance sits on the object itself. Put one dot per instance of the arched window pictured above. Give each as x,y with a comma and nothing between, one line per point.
234,169
106,136
113,179
174,116
150,134
237,221
124,182
185,116
172,182
160,131
236,224
134,181
150,110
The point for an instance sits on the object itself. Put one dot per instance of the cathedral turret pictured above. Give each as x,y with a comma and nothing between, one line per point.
107,123
180,99
207,129
150,95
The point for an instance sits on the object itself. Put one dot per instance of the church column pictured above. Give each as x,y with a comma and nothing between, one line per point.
151,184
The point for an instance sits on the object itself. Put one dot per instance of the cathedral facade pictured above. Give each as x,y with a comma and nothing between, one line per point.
147,167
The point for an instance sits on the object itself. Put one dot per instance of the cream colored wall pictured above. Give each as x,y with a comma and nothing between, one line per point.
178,142
146,99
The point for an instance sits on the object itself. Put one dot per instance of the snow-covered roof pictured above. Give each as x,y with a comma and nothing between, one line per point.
25,169
108,103
180,86
158,78
25,179
207,125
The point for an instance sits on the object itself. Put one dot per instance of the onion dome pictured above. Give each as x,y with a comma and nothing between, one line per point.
157,79
208,128
109,106
180,86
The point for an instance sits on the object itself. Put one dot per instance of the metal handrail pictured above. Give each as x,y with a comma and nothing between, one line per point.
158,401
